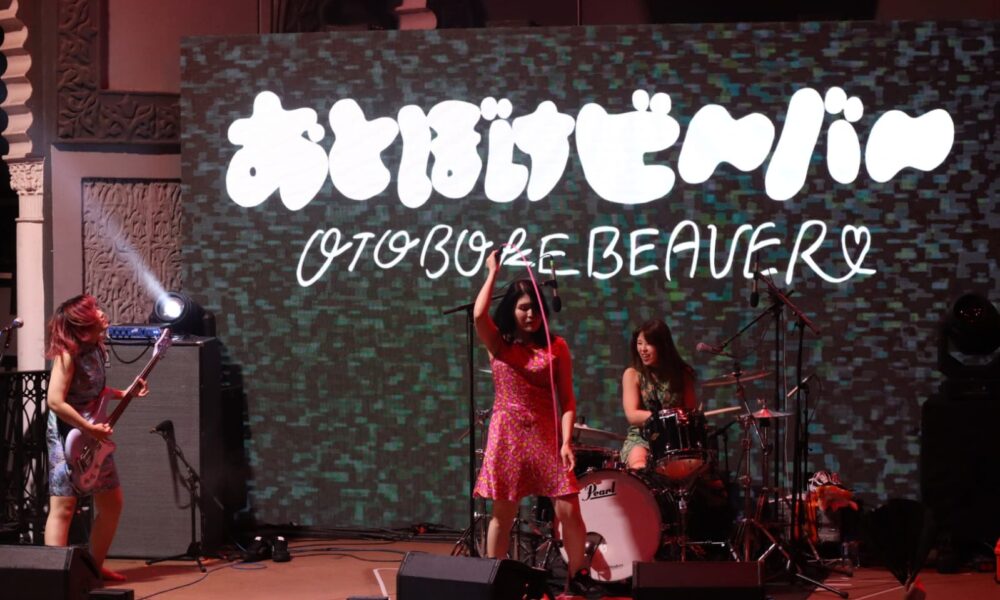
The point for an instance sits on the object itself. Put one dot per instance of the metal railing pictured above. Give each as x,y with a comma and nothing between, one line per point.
23,456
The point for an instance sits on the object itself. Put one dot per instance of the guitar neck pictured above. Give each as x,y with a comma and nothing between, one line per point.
130,391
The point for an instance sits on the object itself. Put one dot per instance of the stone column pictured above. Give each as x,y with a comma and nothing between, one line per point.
26,178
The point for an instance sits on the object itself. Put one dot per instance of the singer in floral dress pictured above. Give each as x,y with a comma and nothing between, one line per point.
76,383
528,448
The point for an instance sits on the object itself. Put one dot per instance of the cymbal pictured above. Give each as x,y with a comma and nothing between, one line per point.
730,378
767,413
583,433
722,411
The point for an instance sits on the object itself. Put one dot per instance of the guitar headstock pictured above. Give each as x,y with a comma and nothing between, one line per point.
163,342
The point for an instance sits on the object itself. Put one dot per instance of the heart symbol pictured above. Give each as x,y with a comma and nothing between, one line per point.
861,235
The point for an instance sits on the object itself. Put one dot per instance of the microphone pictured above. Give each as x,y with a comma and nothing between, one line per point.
754,294
802,385
703,347
164,427
16,323
556,300
710,349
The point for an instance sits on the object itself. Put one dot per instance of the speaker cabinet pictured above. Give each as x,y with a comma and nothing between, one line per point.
697,581
46,573
959,462
422,576
184,389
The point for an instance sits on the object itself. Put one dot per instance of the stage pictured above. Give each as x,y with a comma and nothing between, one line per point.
340,569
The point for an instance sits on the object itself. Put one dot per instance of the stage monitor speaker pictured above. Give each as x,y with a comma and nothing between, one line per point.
959,463
184,389
422,576
697,581
46,573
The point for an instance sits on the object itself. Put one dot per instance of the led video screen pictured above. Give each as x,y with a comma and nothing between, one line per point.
341,192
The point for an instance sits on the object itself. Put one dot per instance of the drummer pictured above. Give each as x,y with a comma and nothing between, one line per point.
658,378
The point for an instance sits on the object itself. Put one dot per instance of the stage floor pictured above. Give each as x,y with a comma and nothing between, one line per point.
338,569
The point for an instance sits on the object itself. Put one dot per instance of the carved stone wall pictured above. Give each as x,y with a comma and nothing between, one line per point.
91,115
131,244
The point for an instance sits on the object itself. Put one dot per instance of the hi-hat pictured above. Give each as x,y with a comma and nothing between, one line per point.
583,433
767,413
730,378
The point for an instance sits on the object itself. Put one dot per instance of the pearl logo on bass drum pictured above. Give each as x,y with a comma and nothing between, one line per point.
594,492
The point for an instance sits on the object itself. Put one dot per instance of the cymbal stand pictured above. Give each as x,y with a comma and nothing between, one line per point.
744,537
750,522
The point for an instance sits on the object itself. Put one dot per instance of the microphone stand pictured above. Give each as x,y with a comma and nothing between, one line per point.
800,436
470,353
800,450
6,343
195,550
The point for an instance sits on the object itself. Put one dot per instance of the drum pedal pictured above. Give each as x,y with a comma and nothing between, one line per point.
594,540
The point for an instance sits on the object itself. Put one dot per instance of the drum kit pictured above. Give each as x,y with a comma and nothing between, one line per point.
677,508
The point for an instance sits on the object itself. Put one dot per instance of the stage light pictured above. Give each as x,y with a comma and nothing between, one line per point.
970,337
170,307
182,314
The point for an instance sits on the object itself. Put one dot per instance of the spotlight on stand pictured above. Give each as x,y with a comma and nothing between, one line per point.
957,433
183,315
969,339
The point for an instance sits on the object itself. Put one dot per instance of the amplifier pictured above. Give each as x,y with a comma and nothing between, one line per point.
134,332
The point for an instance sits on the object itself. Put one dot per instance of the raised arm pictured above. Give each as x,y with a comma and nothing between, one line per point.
486,329
631,402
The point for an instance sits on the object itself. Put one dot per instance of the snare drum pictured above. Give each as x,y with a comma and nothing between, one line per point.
627,509
679,442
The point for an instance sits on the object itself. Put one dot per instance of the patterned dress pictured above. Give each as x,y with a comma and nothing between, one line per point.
522,453
651,392
83,395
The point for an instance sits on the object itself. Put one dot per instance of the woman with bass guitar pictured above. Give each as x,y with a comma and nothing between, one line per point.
76,386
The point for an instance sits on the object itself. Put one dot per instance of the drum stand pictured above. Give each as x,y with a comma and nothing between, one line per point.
682,509
750,523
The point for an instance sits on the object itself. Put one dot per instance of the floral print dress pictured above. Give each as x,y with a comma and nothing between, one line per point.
522,448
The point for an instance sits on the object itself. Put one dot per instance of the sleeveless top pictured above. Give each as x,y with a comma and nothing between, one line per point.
89,380
89,377
651,393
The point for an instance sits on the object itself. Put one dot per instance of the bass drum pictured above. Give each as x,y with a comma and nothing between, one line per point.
625,508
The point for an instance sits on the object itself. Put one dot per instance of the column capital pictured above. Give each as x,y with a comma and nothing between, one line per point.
27,177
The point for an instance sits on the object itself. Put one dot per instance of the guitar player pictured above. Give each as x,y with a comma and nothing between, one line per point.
76,385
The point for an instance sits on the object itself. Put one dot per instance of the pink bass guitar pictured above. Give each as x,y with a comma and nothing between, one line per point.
84,454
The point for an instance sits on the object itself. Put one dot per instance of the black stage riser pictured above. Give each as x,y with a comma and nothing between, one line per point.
46,573
697,581
425,576
959,462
